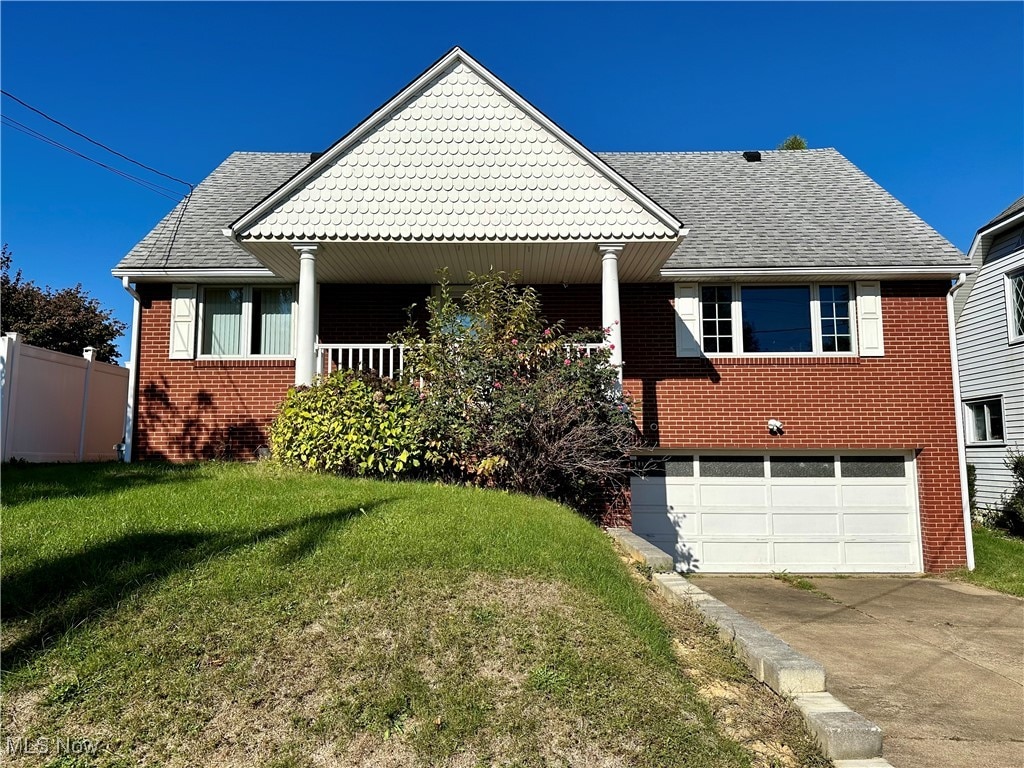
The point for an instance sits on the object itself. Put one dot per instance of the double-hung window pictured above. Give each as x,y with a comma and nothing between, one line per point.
985,420
246,321
777,319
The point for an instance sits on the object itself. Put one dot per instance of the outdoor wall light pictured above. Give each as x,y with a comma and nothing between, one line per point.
775,427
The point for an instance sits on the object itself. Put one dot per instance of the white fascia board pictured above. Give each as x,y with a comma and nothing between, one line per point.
193,275
315,168
889,272
1000,225
990,231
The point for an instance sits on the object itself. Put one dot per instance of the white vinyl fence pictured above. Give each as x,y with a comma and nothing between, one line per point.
57,407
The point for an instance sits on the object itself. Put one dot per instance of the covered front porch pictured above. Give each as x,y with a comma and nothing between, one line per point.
350,325
356,322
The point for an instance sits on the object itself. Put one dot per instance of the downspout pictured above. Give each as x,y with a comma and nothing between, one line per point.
959,412
133,369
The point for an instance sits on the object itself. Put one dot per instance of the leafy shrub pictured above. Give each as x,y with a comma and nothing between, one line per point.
972,487
1008,514
350,423
1013,502
513,402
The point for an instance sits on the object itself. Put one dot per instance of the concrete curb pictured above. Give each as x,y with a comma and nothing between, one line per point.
642,550
842,734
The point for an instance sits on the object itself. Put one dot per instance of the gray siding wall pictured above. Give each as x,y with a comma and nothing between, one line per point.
989,367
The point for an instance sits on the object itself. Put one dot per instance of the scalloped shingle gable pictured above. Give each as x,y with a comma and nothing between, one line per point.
459,161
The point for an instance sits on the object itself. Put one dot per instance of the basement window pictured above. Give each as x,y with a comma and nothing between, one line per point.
985,420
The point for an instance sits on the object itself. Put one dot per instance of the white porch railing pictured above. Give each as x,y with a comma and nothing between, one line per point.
583,350
387,360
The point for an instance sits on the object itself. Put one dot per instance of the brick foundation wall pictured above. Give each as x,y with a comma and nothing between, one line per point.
903,400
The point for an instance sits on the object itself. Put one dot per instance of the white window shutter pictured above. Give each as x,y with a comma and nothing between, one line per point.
183,321
869,319
687,320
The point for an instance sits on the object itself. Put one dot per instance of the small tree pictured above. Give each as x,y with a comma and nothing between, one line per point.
64,320
794,142
513,402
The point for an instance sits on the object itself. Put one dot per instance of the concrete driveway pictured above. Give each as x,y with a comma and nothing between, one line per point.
938,665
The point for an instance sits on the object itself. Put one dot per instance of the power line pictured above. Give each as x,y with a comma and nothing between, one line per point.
66,127
162,191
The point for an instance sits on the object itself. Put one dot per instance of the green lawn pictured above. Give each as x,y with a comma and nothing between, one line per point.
243,615
998,562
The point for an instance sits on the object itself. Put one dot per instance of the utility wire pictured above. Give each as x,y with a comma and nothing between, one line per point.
66,127
10,122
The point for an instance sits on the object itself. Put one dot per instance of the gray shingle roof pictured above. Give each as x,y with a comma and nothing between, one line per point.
1015,207
194,239
794,208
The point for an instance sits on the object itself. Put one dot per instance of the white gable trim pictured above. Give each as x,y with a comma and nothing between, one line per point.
316,168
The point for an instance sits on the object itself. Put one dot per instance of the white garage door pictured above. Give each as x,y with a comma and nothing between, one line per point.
798,513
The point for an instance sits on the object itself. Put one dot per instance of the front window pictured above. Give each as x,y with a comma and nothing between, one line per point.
985,420
716,303
777,319
240,321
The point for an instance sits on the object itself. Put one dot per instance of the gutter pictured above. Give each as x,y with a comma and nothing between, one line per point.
133,369
961,450
870,273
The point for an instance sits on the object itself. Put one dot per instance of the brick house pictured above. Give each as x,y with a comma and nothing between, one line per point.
781,322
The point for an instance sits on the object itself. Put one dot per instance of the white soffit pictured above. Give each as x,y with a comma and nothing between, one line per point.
457,156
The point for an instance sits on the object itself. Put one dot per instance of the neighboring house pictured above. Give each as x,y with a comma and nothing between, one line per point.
739,287
990,339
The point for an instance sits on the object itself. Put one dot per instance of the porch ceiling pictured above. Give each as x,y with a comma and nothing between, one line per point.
539,263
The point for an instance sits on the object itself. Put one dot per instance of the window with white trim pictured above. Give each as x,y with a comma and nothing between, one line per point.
1015,306
984,420
246,321
777,319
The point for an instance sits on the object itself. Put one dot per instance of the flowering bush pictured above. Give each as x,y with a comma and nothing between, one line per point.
513,402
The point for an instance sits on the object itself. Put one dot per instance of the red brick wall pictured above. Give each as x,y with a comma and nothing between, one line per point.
903,400
368,314
576,306
200,409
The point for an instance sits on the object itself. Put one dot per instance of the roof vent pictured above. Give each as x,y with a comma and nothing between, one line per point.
752,157
314,156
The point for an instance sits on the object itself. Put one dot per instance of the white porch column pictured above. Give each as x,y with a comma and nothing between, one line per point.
610,300
305,355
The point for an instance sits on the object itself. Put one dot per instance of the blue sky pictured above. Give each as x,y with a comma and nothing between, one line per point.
927,98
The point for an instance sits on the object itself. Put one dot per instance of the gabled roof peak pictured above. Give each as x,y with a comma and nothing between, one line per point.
457,120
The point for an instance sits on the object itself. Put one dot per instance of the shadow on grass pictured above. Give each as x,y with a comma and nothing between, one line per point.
26,483
61,596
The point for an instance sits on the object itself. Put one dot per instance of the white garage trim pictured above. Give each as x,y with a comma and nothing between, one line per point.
834,513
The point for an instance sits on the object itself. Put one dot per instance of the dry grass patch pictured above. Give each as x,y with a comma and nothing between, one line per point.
767,725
